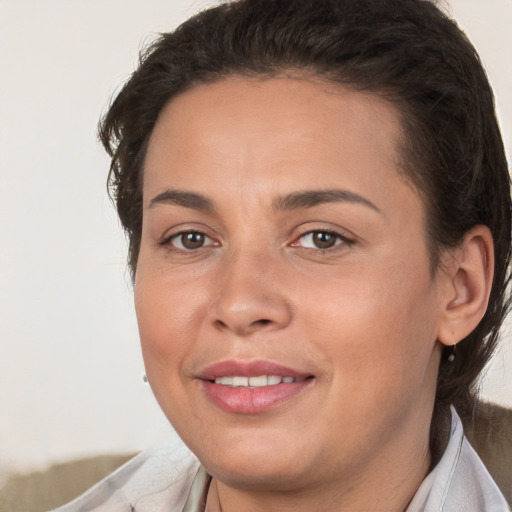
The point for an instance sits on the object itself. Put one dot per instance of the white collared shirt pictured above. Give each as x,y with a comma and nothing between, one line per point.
460,482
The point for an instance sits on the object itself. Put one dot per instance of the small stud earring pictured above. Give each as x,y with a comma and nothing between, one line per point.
144,378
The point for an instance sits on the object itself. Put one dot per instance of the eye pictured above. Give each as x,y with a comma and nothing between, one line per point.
319,240
189,240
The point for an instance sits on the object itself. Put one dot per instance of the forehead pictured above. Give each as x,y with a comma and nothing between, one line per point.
281,103
275,134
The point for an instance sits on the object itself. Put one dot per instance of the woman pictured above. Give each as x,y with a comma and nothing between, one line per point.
318,207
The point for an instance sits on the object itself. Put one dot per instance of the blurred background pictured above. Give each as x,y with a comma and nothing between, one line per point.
70,365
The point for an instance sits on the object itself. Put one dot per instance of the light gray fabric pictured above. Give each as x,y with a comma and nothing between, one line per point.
170,479
157,480
460,482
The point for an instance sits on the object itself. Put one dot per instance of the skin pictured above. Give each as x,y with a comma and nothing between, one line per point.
362,317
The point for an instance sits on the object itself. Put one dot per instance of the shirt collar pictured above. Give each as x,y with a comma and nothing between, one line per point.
460,480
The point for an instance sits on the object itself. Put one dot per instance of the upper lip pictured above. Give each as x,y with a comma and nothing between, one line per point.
232,368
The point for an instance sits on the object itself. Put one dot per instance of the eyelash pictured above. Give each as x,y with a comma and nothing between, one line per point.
341,241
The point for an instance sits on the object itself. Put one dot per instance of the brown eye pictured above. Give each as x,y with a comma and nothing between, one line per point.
322,240
190,240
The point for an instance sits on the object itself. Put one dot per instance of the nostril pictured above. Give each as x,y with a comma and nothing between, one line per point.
220,324
263,321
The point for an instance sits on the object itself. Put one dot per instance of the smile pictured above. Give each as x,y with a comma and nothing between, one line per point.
253,387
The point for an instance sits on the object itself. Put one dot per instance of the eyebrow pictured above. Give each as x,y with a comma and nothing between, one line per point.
294,201
183,198
311,198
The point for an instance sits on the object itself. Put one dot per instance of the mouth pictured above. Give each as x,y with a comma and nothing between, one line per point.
252,388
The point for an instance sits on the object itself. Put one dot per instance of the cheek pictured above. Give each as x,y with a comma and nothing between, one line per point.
375,326
168,325
168,318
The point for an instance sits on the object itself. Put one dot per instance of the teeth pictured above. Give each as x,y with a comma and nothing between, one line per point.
254,382
240,381
227,381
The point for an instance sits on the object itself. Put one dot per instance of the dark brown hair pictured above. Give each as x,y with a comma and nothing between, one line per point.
407,51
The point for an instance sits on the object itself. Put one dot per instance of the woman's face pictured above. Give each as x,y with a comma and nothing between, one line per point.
287,311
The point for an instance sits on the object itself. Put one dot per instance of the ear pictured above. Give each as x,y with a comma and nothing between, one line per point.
469,271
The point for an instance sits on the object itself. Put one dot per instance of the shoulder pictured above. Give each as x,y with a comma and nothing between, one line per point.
158,479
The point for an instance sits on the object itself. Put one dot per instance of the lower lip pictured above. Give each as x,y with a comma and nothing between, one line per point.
252,400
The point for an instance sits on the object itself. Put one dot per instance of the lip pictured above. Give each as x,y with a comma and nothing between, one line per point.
244,400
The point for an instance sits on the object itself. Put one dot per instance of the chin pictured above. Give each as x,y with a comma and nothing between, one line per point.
269,475
274,461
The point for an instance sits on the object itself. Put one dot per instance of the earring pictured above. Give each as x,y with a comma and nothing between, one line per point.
144,378
451,357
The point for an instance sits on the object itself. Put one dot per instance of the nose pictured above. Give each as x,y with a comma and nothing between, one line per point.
250,296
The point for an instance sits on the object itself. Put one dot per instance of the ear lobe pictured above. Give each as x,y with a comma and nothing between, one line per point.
468,272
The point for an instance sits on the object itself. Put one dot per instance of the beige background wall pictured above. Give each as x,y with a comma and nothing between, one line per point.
70,365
